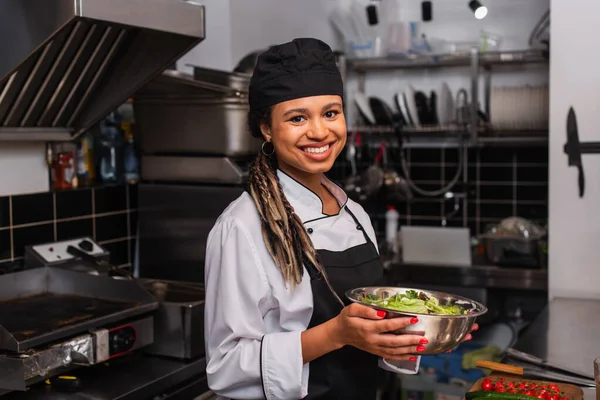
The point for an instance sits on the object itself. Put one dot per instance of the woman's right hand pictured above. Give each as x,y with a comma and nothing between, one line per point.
365,328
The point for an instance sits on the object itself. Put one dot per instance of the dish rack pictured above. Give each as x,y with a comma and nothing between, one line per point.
470,131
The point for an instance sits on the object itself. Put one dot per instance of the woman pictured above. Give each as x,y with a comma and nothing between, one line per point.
281,256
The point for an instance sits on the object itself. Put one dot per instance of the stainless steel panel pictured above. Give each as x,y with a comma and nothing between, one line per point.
234,80
19,290
132,378
202,117
191,169
195,127
69,63
35,134
179,322
563,322
174,222
181,17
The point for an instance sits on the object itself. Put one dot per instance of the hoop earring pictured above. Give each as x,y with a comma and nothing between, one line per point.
266,152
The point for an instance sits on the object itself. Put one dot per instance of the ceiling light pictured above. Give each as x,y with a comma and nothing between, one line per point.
478,9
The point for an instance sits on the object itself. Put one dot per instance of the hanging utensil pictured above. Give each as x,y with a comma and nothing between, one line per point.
372,178
533,373
452,214
352,185
397,189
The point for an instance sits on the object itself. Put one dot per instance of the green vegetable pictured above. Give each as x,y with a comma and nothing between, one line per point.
487,395
414,302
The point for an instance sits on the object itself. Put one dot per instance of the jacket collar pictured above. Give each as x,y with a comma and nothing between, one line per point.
306,203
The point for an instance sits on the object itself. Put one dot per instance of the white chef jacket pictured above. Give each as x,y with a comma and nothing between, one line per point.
252,319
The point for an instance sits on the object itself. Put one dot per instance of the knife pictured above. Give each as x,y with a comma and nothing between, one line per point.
519,355
533,373
573,149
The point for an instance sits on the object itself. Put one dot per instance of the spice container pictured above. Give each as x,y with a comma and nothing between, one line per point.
62,166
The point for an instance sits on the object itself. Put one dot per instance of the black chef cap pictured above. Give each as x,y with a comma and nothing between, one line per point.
300,68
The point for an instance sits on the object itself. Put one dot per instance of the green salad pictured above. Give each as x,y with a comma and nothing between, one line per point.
414,302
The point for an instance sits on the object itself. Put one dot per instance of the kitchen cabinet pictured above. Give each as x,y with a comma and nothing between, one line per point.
574,222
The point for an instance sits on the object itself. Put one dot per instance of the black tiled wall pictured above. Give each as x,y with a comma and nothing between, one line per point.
108,214
501,182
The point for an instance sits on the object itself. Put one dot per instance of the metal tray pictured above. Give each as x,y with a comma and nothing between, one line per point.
42,305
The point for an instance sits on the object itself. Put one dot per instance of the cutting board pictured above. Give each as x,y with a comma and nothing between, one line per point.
569,391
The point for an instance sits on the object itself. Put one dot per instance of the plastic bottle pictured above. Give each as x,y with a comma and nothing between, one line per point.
391,228
131,162
111,147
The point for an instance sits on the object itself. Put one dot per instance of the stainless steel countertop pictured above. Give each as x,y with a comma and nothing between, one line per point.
566,333
136,377
474,276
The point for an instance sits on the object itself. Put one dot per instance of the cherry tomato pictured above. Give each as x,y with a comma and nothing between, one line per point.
500,389
510,384
512,391
486,385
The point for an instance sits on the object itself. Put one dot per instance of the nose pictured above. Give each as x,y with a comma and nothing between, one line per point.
317,130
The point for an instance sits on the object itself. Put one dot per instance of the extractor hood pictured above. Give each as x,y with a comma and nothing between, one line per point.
65,64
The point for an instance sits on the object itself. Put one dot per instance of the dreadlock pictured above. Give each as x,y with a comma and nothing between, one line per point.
283,232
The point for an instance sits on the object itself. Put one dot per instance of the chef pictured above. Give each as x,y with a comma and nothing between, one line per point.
281,256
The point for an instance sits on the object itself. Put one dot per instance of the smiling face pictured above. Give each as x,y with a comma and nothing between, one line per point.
308,134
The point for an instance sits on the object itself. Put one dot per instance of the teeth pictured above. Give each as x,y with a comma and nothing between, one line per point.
317,150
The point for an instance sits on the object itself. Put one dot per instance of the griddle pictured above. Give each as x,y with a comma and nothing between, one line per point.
42,305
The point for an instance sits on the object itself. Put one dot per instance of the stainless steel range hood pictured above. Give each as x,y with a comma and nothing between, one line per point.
65,64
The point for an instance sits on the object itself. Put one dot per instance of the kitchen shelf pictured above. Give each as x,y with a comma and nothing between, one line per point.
453,135
30,134
462,59
479,65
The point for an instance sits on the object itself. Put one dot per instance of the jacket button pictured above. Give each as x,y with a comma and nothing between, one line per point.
310,230
359,227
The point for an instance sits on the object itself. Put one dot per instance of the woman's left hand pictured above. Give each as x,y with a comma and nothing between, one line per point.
469,336
473,329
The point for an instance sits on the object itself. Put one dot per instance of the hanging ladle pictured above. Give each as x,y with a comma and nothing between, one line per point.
352,186
397,190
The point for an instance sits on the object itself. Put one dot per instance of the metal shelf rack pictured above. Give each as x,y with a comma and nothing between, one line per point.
479,64
453,135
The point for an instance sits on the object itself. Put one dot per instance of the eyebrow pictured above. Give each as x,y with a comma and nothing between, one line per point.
305,110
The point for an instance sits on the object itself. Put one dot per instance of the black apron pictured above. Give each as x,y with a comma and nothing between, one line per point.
347,373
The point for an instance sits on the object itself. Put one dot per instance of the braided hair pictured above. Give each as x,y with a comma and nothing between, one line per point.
283,232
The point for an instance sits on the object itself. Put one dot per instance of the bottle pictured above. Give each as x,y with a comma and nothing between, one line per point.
110,148
131,162
391,228
86,171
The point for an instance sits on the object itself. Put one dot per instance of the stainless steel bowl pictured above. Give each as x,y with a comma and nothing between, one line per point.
444,332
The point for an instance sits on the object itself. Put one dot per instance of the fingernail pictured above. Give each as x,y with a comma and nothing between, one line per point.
420,348
449,351
412,359
469,337
424,341
475,327
381,314
414,320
